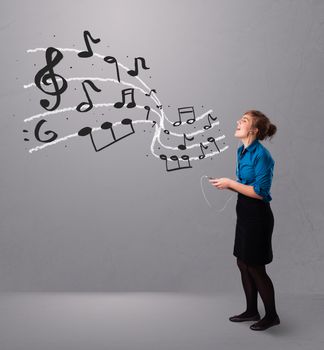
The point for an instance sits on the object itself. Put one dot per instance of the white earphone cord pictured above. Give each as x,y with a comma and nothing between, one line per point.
203,192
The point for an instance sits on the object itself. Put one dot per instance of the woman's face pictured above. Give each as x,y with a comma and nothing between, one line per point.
244,127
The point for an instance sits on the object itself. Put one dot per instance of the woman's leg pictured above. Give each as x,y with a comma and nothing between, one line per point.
266,291
250,290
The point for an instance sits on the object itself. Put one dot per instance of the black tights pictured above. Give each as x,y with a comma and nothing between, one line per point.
254,280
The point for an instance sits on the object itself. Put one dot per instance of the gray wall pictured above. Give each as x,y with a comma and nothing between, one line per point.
76,220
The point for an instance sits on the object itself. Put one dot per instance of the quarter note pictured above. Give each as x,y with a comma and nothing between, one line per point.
111,59
89,103
184,145
46,76
126,92
176,159
202,147
134,72
107,126
206,127
89,52
152,90
148,111
185,110
212,140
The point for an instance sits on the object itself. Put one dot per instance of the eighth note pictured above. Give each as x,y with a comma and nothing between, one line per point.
107,126
89,103
202,147
89,52
212,140
184,146
185,110
148,111
111,59
176,159
152,90
126,92
206,127
134,73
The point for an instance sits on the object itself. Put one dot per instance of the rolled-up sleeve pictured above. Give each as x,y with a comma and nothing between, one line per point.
264,165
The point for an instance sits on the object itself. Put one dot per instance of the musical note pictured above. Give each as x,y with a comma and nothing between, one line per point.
126,92
148,111
152,90
111,59
185,138
89,103
134,73
167,132
89,52
37,130
185,110
212,140
176,159
50,78
202,147
107,126
206,127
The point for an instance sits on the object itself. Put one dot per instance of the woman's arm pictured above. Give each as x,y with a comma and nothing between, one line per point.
233,185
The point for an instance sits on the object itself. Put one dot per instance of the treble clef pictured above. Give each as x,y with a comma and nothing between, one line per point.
46,76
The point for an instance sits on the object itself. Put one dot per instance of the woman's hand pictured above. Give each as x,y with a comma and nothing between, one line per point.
221,183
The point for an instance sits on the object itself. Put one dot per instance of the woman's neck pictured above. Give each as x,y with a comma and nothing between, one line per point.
247,141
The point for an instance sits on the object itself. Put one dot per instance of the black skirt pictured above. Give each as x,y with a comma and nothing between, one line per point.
253,233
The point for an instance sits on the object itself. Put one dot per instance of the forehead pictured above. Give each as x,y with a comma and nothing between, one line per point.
247,117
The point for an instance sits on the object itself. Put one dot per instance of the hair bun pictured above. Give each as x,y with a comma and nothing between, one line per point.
272,130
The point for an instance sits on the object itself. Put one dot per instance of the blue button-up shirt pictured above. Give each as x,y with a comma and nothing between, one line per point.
254,167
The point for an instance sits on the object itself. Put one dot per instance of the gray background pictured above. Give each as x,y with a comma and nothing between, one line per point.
116,221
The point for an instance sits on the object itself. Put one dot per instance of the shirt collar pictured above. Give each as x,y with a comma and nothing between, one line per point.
250,147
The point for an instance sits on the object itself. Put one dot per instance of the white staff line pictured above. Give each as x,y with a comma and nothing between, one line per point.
37,148
153,96
98,105
191,146
92,78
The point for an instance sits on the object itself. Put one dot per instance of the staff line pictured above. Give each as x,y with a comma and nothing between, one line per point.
152,95
64,138
98,105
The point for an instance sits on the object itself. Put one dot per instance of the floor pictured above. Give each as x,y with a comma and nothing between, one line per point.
153,321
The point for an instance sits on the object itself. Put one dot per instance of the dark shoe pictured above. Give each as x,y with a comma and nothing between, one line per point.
265,324
242,318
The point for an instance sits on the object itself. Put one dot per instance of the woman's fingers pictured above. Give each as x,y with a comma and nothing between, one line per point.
215,182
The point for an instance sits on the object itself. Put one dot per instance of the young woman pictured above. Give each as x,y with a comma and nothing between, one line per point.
254,225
